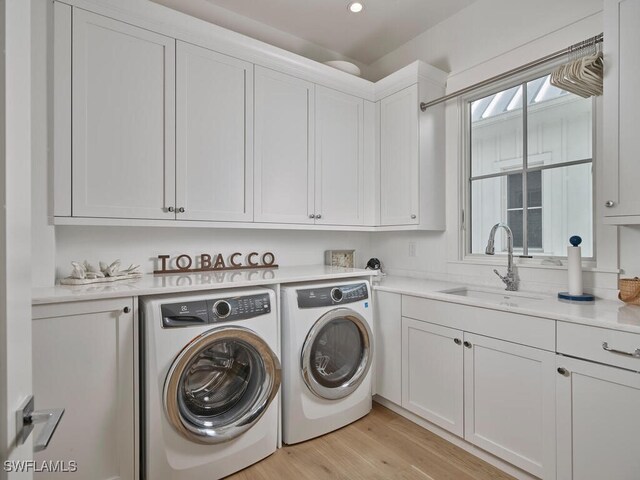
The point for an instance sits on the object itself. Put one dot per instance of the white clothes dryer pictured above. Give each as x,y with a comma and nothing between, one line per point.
327,351
210,379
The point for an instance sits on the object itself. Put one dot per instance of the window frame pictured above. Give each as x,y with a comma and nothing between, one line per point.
464,107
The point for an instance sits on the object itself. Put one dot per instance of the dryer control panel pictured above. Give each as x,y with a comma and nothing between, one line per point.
219,310
329,296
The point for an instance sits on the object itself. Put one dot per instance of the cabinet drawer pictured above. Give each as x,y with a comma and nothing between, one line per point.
523,329
588,342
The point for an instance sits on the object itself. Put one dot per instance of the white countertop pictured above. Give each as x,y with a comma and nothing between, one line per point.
615,315
189,282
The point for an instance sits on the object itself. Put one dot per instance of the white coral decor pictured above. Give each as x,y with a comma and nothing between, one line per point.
84,273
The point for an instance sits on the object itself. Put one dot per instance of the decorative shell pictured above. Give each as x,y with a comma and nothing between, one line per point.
86,271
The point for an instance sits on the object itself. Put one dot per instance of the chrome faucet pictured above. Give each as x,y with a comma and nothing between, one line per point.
510,279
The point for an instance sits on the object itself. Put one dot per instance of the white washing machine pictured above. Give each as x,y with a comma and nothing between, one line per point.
327,350
211,375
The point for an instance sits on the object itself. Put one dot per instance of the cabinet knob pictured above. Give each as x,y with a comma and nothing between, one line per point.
563,371
126,309
171,209
318,216
609,203
457,341
181,210
311,215
413,216
467,344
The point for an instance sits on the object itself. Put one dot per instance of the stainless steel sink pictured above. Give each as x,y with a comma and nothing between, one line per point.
488,295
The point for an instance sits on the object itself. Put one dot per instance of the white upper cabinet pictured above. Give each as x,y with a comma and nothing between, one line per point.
283,151
123,100
399,159
151,128
214,143
339,157
621,111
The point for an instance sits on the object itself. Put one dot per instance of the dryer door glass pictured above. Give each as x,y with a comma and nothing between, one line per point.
220,385
337,354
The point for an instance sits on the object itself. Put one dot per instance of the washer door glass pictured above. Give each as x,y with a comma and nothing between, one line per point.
337,354
220,385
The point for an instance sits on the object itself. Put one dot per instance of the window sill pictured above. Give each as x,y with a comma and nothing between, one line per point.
500,261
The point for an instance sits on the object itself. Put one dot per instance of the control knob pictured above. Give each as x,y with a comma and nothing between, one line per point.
336,294
222,309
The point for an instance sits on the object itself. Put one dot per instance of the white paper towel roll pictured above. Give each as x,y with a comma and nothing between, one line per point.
574,268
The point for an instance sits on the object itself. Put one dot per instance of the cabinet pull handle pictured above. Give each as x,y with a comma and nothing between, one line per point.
126,309
467,344
181,210
413,216
636,354
171,209
318,216
457,341
609,203
563,371
311,215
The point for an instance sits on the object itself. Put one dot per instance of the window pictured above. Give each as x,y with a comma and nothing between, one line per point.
530,159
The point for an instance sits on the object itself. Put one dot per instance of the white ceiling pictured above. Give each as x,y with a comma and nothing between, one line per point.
380,28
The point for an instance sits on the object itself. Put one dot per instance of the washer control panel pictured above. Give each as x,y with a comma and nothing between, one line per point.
202,312
329,296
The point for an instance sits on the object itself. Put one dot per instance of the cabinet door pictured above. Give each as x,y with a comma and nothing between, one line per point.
509,395
283,152
432,373
622,108
339,173
598,421
83,361
388,349
399,160
214,144
123,144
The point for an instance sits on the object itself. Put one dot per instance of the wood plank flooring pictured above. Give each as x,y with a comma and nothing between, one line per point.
383,445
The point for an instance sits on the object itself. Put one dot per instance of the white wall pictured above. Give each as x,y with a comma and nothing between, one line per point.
630,251
489,37
481,41
53,248
485,30
142,245
260,31
43,235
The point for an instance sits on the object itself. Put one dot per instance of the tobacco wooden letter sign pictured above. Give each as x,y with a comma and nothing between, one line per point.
210,263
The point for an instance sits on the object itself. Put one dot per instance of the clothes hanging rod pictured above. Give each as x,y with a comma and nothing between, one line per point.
523,68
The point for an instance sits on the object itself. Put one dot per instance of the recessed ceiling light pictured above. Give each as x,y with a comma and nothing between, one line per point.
355,7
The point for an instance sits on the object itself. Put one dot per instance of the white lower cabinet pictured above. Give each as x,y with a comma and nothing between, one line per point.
509,392
432,373
388,346
83,361
598,421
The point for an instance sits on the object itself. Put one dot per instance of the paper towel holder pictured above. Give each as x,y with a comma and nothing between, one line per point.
575,242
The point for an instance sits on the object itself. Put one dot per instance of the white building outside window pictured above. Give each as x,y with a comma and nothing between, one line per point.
530,166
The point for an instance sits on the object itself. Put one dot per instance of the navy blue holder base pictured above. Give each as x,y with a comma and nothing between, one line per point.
585,297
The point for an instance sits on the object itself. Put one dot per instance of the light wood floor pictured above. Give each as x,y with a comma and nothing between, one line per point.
382,445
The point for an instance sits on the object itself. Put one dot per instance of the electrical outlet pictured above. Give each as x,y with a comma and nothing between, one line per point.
412,249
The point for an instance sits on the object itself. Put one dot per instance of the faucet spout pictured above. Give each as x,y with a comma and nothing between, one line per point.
510,280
